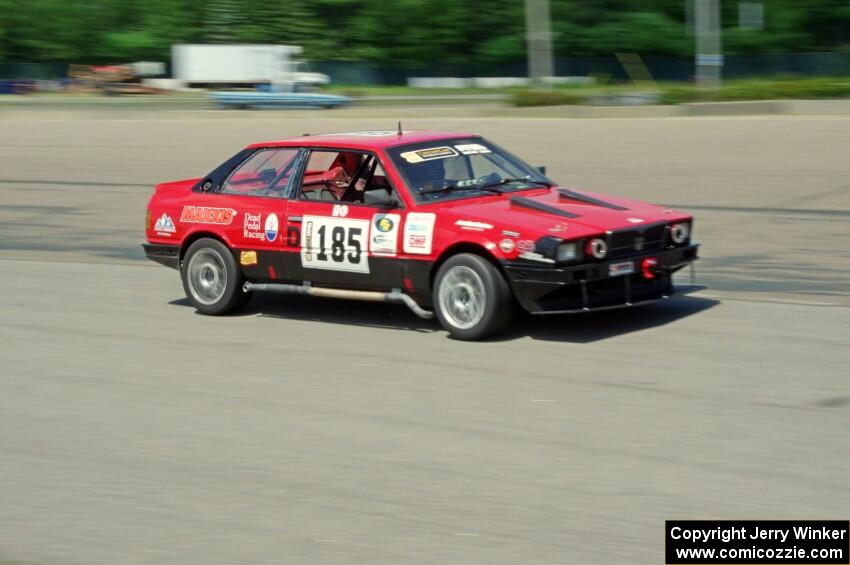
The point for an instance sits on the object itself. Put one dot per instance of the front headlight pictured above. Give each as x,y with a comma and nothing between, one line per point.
679,232
567,252
597,247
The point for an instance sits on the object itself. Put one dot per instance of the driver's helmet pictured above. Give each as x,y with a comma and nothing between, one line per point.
348,161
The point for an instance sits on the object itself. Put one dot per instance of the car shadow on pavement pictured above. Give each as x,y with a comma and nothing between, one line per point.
570,328
596,326
332,311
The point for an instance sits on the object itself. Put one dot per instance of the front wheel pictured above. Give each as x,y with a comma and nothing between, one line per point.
471,297
212,279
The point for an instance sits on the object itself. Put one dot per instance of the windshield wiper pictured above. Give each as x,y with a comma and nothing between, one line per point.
519,179
453,187
486,187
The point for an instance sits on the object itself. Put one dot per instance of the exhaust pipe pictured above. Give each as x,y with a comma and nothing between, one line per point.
395,295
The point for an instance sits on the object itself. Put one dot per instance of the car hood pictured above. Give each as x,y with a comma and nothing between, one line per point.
565,213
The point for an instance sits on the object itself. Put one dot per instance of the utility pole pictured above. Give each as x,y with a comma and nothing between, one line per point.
538,34
709,51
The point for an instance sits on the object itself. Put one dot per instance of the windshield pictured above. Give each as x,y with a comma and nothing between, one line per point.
462,168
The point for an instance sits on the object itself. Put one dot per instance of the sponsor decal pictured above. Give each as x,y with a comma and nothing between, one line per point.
384,224
271,227
533,256
247,258
384,240
558,228
419,232
507,245
429,154
524,246
620,269
307,244
635,220
164,226
340,210
204,215
251,227
293,236
509,233
335,244
474,226
472,149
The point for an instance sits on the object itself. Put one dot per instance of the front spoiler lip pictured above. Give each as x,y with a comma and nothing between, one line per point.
676,293
532,284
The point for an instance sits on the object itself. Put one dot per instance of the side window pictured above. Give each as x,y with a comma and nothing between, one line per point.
378,191
347,176
265,173
329,174
321,161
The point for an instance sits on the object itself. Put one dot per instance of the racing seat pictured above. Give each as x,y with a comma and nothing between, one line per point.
377,197
319,193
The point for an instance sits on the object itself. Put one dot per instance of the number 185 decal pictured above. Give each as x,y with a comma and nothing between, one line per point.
338,244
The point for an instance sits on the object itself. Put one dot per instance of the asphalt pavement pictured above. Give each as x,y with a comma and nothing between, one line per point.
133,430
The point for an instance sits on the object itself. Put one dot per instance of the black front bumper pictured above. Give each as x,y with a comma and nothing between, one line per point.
549,289
168,255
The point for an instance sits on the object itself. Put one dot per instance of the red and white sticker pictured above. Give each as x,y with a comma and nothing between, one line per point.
204,215
164,226
419,233
524,246
473,226
252,226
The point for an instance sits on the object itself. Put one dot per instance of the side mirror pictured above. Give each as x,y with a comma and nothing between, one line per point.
542,169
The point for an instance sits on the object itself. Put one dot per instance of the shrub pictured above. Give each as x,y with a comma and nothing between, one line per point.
524,98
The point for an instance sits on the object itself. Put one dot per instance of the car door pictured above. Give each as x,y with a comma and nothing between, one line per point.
352,243
252,202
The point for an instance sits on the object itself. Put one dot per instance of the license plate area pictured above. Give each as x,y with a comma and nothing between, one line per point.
620,269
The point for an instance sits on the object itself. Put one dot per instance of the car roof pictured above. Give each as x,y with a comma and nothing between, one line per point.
363,139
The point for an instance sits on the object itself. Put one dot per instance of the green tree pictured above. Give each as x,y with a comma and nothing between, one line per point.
440,34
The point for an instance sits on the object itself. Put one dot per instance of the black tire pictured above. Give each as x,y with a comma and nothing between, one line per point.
211,278
468,275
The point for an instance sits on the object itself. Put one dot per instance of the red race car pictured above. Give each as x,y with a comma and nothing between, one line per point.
447,224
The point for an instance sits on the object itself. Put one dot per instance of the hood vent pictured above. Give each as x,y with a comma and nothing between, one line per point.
573,195
541,207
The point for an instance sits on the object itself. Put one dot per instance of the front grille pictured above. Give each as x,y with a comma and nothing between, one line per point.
644,239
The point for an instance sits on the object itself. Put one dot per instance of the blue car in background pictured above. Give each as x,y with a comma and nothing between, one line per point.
271,99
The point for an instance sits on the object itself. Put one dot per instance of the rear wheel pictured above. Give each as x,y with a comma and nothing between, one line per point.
212,279
472,300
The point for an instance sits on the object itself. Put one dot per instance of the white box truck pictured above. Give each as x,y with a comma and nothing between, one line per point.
242,65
